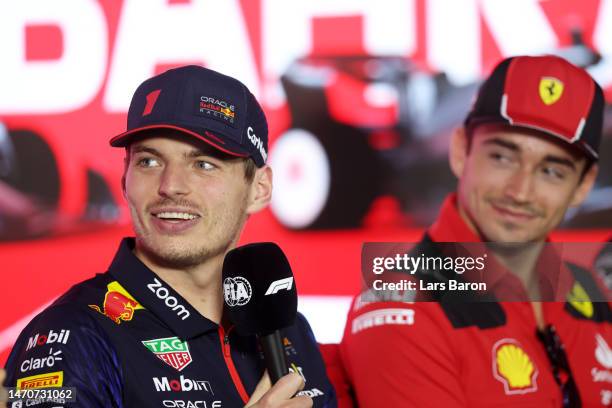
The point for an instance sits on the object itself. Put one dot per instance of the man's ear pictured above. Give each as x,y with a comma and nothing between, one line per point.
458,151
126,163
260,192
585,186
123,186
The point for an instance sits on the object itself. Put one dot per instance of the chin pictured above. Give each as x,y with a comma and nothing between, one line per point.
502,235
178,256
517,239
168,250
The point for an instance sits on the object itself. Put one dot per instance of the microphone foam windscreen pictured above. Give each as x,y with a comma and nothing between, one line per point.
259,289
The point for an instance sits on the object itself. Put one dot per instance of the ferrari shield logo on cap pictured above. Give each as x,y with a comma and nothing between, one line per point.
551,90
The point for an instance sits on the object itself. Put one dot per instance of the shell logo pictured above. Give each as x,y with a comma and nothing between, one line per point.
513,367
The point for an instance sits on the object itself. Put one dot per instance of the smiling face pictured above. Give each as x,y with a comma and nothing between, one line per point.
188,202
514,184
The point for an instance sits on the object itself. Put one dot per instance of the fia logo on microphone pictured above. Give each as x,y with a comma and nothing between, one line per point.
237,291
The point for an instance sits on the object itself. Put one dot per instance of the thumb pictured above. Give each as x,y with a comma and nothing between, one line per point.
3,393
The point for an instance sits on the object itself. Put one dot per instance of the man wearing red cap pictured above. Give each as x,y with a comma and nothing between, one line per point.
526,153
151,330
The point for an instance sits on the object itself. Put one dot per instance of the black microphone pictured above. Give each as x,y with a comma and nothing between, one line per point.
261,298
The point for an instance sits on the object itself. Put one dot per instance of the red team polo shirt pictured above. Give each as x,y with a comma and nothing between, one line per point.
486,355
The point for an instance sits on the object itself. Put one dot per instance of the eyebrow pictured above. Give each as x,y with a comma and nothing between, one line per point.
560,160
515,148
502,143
198,153
146,149
191,154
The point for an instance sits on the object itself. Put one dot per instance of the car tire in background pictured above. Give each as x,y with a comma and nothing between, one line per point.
34,169
325,176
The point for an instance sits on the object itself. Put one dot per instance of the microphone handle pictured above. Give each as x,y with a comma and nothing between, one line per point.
274,355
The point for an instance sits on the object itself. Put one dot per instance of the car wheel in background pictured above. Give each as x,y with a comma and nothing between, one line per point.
324,177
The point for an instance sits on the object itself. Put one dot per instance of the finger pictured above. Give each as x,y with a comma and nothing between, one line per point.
3,393
283,390
300,402
262,387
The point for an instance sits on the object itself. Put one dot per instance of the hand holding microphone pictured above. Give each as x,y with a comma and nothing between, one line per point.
3,394
281,394
260,299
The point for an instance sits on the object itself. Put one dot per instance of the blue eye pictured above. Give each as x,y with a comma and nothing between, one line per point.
204,165
148,162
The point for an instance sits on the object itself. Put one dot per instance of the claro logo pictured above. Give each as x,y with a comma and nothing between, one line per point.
164,294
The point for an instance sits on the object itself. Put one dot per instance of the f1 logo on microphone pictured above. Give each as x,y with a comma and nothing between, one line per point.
286,283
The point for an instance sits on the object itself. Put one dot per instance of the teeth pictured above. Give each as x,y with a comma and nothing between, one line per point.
176,215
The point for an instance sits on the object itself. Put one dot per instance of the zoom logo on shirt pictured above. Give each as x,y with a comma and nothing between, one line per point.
164,294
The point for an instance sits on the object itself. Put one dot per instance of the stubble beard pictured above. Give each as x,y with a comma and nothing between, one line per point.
179,252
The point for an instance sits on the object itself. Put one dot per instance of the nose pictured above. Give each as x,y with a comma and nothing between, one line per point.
173,182
519,186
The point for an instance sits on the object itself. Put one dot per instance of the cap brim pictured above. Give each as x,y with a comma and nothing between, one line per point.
208,137
579,146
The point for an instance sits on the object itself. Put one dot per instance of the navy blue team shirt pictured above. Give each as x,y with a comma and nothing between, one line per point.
125,338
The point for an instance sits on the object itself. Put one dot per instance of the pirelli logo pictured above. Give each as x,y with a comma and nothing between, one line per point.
49,380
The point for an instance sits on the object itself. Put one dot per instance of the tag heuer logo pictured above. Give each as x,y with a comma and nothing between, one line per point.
171,351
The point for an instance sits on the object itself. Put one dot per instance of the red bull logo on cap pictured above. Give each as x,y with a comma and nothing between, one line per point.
119,305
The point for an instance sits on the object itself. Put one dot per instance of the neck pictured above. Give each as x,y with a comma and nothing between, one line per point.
521,259
200,285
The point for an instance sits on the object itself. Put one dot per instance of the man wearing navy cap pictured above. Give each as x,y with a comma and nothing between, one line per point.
151,331
527,152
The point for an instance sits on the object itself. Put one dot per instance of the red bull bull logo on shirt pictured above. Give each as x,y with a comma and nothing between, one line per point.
118,305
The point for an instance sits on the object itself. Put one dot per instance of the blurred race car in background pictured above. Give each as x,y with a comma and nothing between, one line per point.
363,127
366,127
31,189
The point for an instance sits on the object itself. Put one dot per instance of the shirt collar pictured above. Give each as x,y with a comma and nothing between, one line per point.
156,295
554,277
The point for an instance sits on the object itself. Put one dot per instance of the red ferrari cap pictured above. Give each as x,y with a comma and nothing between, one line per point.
546,93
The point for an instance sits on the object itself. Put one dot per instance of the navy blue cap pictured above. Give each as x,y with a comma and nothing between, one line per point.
201,103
